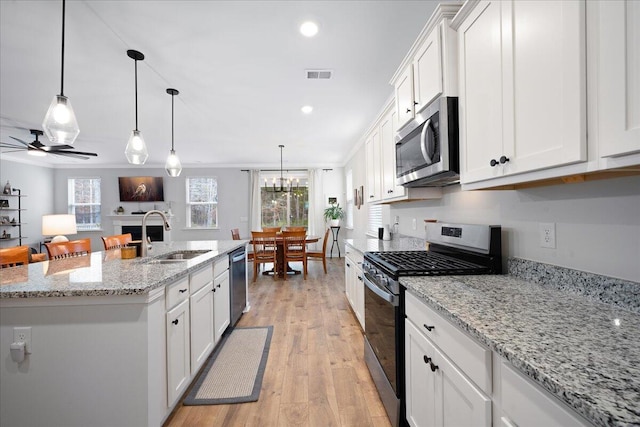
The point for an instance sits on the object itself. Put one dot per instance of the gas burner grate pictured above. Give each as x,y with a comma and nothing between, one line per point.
425,263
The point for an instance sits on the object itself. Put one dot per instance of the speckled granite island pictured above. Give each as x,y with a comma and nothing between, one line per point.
100,335
575,334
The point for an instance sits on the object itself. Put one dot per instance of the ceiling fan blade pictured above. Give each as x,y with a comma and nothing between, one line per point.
69,154
82,153
8,145
57,147
17,150
19,140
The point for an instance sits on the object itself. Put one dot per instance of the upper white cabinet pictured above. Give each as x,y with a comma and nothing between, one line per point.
390,190
522,74
614,80
374,173
429,69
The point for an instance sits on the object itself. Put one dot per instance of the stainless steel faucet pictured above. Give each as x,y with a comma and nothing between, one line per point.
167,227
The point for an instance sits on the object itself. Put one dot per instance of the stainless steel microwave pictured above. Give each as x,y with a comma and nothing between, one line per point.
427,150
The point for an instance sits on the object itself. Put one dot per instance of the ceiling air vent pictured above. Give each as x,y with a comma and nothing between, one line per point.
318,74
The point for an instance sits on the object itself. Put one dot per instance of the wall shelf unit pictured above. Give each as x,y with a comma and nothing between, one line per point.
11,206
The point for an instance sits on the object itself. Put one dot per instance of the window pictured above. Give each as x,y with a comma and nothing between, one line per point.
350,200
375,219
285,208
202,202
83,196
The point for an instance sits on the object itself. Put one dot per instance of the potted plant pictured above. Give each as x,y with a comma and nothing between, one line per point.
334,214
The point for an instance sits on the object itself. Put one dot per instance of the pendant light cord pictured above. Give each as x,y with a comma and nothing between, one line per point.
62,61
135,66
172,150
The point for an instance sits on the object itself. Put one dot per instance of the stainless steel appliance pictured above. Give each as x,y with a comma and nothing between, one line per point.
238,279
427,153
454,249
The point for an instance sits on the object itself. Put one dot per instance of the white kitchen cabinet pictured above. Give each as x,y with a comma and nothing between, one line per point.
522,87
354,284
221,304
202,334
178,351
430,68
525,404
437,392
390,190
373,167
615,78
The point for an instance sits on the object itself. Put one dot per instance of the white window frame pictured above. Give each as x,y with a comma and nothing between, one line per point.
71,203
350,200
211,202
374,219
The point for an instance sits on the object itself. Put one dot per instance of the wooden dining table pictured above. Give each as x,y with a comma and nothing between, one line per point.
280,266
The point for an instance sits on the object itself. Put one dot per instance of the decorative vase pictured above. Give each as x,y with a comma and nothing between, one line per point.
7,188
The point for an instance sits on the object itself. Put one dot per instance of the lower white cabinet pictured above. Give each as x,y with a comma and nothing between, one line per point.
354,284
221,306
178,351
438,393
202,334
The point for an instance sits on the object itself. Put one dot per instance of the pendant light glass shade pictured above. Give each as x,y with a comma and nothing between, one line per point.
173,165
60,124
136,150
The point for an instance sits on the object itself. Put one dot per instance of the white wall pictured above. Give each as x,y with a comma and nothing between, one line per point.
37,184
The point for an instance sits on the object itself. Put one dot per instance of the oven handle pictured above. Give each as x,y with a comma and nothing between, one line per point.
385,295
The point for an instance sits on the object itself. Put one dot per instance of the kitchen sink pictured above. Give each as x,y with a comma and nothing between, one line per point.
176,257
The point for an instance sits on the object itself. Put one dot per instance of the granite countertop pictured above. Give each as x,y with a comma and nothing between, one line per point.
104,273
400,243
584,351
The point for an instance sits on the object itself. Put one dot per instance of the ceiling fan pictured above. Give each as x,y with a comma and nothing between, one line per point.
37,148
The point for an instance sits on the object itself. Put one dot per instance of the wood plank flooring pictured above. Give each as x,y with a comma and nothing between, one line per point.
315,374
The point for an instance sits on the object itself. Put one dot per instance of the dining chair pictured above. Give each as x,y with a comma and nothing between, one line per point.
274,229
320,256
116,241
12,257
295,249
264,250
68,249
295,228
235,233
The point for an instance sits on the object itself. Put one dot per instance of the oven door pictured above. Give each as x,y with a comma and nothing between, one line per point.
384,345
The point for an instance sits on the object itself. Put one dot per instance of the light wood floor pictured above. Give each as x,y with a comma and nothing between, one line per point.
315,374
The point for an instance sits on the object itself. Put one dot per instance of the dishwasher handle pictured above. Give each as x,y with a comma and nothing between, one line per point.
238,258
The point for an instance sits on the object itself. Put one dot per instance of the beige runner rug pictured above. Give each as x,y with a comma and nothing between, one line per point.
235,369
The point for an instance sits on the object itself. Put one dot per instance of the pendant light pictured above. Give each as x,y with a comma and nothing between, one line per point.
285,185
173,165
60,122
136,150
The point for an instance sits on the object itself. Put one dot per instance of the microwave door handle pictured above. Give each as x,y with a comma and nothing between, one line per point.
423,142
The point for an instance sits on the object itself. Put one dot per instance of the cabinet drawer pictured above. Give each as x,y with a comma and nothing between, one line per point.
525,404
177,292
220,265
471,357
200,278
354,256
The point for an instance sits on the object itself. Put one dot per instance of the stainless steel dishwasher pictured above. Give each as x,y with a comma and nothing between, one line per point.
238,278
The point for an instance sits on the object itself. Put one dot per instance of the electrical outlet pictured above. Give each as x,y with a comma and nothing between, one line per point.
23,335
548,235
397,219
414,224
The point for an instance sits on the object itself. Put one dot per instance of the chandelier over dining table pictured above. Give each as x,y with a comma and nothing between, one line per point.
282,184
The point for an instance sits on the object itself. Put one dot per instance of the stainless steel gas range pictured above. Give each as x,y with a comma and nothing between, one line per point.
453,249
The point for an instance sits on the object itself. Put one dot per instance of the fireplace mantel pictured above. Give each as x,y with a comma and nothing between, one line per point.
120,220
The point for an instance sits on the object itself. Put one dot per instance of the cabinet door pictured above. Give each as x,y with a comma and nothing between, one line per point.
420,383
388,157
201,326
221,305
358,291
480,104
178,372
373,167
348,279
545,86
427,70
618,77
404,97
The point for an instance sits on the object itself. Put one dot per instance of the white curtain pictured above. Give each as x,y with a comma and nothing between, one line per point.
255,208
316,203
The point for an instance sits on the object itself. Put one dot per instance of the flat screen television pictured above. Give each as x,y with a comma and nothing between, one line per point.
141,189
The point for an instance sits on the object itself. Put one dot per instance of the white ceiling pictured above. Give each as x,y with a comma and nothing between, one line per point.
239,66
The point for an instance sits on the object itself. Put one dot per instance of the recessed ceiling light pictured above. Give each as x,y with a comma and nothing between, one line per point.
309,29
307,109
